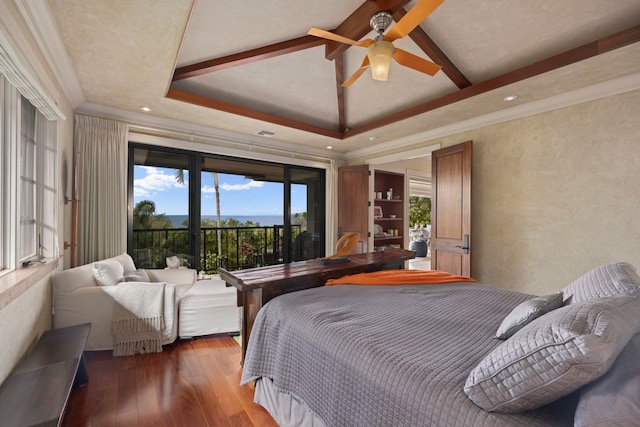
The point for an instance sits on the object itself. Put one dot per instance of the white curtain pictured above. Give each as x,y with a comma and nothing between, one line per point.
332,206
101,187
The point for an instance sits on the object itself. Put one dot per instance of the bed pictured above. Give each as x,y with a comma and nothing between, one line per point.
404,355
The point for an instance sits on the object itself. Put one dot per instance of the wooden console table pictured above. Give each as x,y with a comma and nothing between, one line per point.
256,286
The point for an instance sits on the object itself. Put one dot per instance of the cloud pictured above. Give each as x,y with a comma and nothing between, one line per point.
239,187
206,189
155,181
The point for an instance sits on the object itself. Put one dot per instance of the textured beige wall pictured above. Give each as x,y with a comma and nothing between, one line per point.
555,194
23,321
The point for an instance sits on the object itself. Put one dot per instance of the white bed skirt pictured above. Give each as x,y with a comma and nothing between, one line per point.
285,409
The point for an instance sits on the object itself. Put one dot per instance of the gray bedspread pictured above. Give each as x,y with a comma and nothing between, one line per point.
386,355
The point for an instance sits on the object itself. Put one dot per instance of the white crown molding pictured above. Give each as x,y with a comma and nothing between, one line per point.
403,155
141,122
44,30
567,99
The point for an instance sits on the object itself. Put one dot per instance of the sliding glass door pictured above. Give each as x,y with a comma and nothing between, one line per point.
306,213
159,219
214,211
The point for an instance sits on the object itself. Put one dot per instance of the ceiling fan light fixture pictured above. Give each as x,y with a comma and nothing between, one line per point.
380,22
380,50
379,54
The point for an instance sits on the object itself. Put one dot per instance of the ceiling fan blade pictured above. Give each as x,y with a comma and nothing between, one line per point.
338,38
412,19
358,73
410,60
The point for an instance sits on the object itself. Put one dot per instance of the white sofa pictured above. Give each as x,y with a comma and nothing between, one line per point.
77,299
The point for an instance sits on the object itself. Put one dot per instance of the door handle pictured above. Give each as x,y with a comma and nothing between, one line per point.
465,243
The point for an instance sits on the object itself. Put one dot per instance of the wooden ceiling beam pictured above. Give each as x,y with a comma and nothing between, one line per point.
203,101
247,57
357,25
428,46
342,120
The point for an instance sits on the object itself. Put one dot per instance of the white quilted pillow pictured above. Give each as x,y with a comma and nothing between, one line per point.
554,355
605,281
108,272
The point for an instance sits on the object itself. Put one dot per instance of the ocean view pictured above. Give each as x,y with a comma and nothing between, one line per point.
263,220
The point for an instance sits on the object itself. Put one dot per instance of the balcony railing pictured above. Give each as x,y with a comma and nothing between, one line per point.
233,248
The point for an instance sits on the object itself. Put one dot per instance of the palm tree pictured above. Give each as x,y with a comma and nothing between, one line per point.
143,213
180,180
218,233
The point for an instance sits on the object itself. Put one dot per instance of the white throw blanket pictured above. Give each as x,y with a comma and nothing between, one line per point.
137,318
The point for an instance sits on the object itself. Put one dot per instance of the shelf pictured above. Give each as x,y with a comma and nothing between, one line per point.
381,239
358,187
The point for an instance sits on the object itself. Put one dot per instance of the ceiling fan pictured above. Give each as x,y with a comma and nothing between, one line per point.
381,50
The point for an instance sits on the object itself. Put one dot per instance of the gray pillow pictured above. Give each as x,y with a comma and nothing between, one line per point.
526,312
614,398
605,281
554,355
137,276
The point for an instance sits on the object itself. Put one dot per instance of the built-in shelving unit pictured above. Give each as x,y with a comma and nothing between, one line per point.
388,209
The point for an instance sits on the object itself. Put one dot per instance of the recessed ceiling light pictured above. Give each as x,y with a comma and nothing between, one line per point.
329,147
510,97
145,108
373,138
266,133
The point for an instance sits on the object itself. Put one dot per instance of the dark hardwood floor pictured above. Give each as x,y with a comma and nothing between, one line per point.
191,383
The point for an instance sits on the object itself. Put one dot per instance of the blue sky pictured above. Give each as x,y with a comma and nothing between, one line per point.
238,196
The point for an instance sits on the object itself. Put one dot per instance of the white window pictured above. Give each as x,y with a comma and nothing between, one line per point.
27,247
28,189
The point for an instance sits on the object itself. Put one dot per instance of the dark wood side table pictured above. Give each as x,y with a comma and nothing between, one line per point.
256,286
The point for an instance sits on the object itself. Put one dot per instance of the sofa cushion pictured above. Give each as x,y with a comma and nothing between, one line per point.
127,263
605,281
108,272
69,280
554,355
177,276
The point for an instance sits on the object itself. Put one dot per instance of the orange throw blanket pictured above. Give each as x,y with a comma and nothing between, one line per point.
399,277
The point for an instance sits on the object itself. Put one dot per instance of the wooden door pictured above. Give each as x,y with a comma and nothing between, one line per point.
451,209
353,204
